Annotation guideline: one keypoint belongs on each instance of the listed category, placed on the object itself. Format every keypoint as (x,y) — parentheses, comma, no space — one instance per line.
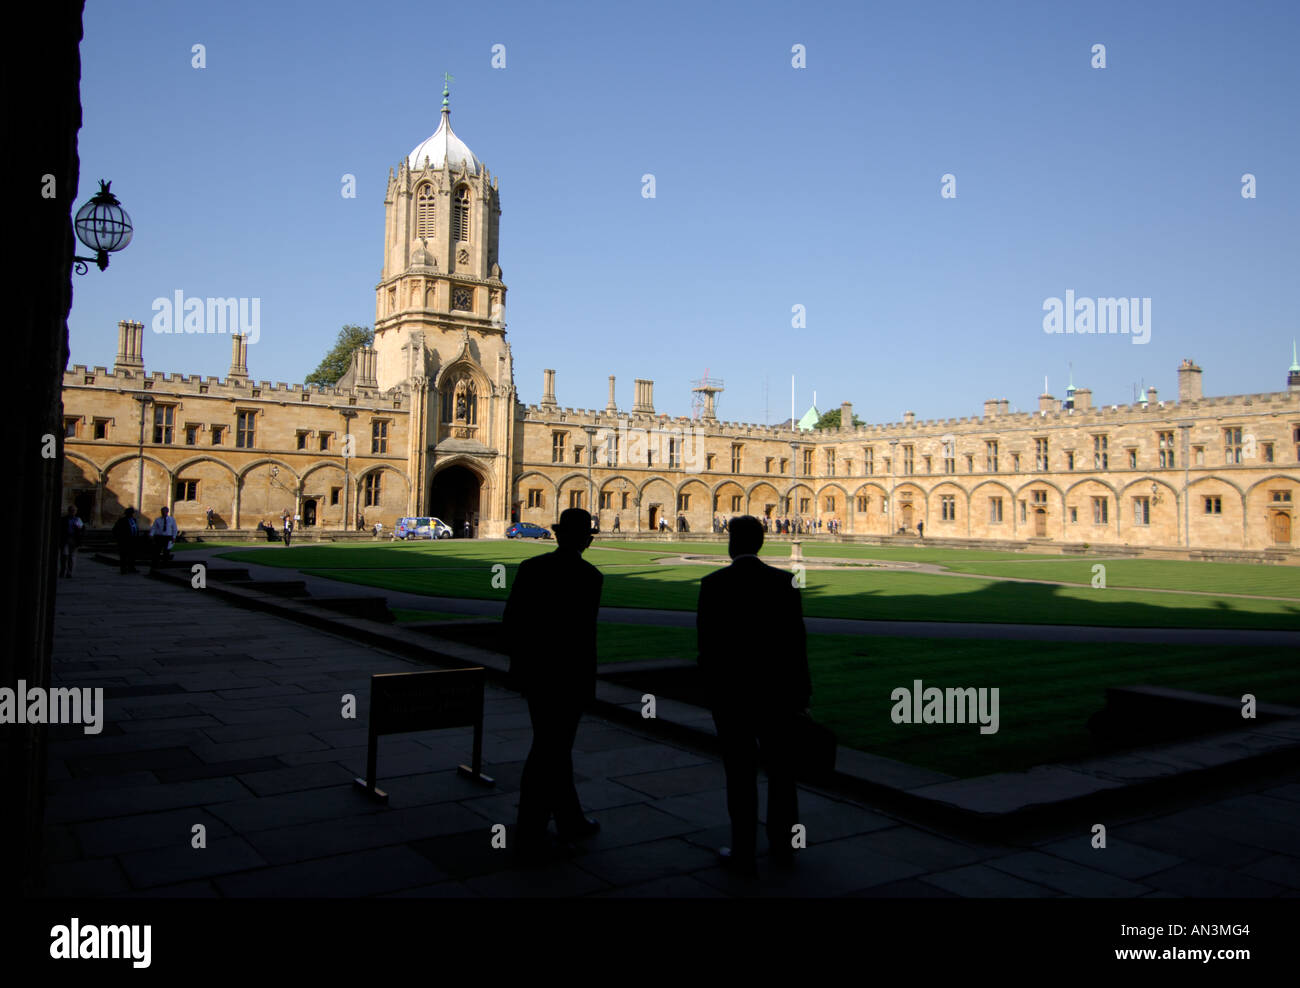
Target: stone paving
(231,718)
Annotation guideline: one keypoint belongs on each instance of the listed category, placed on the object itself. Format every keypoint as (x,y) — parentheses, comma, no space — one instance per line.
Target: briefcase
(814,747)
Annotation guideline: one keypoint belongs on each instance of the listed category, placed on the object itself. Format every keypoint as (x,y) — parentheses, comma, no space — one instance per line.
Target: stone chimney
(909,418)
(1046,403)
(1082,399)
(130,341)
(846,415)
(1004,406)
(1189,381)
(611,407)
(990,408)
(1151,396)
(645,398)
(366,358)
(548,388)
(238,357)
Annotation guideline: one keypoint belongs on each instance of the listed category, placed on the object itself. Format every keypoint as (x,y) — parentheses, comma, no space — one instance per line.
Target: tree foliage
(831,420)
(336,362)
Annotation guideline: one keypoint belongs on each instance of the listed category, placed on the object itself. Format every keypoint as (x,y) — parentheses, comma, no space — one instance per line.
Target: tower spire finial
(447,80)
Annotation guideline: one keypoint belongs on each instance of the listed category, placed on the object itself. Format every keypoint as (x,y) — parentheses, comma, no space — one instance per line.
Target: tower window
(424,211)
(460,215)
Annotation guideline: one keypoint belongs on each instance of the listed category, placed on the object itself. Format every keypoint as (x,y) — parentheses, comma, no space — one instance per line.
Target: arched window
(460,215)
(424,202)
(460,401)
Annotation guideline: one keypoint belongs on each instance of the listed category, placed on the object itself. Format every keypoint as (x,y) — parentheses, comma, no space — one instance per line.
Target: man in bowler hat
(754,662)
(550,625)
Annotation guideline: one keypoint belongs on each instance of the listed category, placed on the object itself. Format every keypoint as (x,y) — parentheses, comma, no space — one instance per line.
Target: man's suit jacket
(550,624)
(753,651)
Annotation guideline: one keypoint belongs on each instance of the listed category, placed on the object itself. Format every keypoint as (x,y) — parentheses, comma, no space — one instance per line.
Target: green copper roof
(810,418)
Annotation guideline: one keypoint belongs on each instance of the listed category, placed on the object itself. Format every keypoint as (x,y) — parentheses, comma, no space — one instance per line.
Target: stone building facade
(428,422)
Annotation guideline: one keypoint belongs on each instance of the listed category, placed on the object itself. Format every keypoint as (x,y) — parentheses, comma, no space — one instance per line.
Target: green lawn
(633,579)
(1047,691)
(1165,574)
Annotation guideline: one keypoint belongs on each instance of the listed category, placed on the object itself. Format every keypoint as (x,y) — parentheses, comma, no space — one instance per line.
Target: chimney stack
(909,418)
(645,398)
(238,357)
(990,408)
(548,388)
(1189,381)
(130,342)
(1151,396)
(612,408)
(846,415)
(1082,399)
(366,362)
(1046,403)
(1004,406)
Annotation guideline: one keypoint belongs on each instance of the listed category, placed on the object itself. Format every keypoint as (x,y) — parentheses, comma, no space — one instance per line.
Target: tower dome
(444,149)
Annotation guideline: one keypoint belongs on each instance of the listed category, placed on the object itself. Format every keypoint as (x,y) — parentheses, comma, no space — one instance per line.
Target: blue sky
(775,187)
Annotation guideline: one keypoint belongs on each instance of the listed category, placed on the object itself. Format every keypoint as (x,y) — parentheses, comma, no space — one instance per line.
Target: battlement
(81,376)
(1112,415)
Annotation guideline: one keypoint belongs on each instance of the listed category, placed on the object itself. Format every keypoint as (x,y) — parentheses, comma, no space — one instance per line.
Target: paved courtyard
(231,719)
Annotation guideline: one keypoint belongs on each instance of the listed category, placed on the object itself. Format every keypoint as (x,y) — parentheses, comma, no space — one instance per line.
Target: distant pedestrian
(920,529)
(288,529)
(70,530)
(212,516)
(467,528)
(616,524)
(161,533)
(125,533)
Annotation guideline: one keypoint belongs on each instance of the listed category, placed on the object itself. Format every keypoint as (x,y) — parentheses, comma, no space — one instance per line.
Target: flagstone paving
(232,719)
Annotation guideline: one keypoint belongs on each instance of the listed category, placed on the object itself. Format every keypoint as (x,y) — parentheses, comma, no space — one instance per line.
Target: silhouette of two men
(752,657)
(550,624)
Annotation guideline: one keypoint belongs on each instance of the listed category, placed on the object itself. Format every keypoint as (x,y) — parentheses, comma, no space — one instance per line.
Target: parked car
(527,530)
(421,528)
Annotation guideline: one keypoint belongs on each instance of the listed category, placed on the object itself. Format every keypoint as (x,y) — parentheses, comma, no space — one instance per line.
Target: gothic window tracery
(460,401)
(424,211)
(460,215)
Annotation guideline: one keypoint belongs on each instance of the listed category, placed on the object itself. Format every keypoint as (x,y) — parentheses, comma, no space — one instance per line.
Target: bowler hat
(573,520)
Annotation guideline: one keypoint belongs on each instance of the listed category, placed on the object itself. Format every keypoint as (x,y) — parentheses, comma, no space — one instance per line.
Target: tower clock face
(462,299)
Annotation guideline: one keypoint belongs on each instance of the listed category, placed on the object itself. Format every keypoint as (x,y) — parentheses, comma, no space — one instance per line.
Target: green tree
(831,420)
(336,362)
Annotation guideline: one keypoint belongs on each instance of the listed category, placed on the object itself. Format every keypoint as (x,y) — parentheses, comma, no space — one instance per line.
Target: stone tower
(440,331)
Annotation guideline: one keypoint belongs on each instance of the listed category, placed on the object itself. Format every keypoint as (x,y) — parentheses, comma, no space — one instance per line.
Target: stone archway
(456,498)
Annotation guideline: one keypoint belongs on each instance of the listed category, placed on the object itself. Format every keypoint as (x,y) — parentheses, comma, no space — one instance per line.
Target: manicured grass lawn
(1165,574)
(1047,691)
(884,595)
(632,579)
(779,548)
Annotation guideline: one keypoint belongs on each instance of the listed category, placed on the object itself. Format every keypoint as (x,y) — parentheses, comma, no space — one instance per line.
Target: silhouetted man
(125,533)
(550,624)
(754,661)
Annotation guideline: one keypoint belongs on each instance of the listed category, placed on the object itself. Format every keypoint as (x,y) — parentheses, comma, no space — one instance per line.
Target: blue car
(527,530)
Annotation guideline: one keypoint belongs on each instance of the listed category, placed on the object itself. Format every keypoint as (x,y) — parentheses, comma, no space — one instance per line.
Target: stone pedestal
(796,550)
